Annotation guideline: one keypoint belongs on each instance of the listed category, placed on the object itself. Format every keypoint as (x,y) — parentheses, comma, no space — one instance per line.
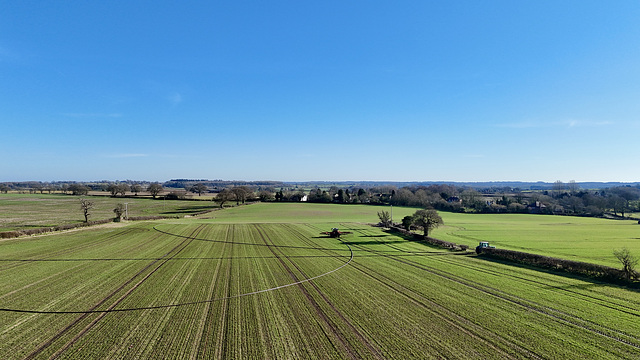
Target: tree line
(560,199)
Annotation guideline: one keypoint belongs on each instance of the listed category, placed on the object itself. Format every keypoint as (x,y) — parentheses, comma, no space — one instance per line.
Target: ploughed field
(234,286)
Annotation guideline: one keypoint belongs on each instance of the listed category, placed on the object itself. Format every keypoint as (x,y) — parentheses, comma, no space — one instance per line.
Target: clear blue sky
(320,90)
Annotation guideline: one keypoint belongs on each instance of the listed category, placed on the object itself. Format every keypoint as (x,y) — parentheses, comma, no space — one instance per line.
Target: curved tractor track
(373,349)
(166,258)
(344,334)
(466,326)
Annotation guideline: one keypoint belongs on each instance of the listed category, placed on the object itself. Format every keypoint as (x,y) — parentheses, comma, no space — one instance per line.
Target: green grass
(582,239)
(194,288)
(20,211)
(306,213)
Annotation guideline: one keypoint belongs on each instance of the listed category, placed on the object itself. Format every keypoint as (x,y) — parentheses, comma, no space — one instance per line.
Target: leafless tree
(470,197)
(427,219)
(123,188)
(155,189)
(265,195)
(78,189)
(86,206)
(113,189)
(241,193)
(136,188)
(224,196)
(199,188)
(628,261)
(573,187)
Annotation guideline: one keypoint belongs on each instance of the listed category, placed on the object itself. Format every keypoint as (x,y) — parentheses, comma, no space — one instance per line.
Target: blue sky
(331,90)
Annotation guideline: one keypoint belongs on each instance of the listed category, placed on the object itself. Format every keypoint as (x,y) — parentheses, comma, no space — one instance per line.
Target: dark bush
(9,234)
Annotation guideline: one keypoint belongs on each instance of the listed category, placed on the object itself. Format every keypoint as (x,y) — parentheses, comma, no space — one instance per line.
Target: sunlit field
(21,211)
(260,281)
(582,239)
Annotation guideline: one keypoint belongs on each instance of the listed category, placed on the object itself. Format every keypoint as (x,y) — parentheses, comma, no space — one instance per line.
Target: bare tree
(427,219)
(224,196)
(154,189)
(573,187)
(618,204)
(249,194)
(241,193)
(136,188)
(113,189)
(558,188)
(79,189)
(199,188)
(86,206)
(123,188)
(265,195)
(470,197)
(628,261)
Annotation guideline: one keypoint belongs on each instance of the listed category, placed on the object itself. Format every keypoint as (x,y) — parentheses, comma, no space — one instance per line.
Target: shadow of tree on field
(413,240)
(189,210)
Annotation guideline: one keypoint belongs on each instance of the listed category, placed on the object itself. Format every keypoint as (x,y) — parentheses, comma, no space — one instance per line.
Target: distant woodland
(616,200)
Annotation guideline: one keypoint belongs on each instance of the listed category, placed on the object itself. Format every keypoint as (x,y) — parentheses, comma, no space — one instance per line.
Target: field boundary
(428,239)
(589,270)
(44,230)
(594,271)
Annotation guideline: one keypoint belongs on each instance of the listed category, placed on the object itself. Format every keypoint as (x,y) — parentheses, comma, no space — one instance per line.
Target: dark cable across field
(159,258)
(201,301)
(245,243)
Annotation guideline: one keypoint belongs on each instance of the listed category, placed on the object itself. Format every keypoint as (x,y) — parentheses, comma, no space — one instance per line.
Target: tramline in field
(229,287)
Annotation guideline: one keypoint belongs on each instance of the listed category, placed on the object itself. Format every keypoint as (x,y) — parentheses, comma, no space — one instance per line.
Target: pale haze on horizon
(300,91)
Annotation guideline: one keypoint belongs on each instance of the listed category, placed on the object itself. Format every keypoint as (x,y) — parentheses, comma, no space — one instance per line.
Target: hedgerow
(18,233)
(601,272)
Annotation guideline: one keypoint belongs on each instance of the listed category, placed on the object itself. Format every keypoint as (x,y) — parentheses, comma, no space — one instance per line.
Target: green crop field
(20,211)
(261,282)
(582,239)
(307,213)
